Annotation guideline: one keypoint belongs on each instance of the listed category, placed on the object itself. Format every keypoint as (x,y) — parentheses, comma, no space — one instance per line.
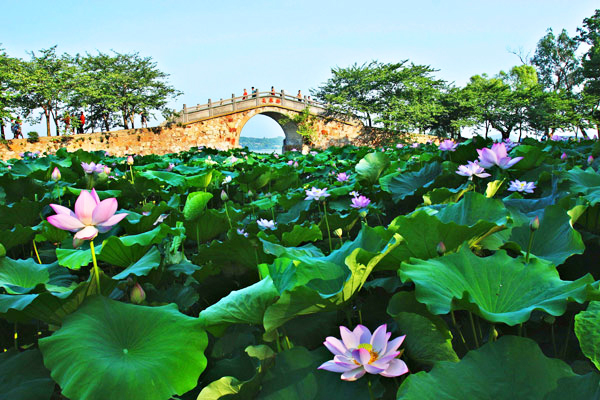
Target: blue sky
(214,49)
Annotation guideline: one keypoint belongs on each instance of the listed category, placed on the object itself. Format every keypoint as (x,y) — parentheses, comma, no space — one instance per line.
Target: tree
(10,68)
(556,61)
(46,83)
(116,87)
(590,34)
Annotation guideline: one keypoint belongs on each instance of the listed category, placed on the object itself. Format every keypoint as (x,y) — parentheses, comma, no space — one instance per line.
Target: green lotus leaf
(578,387)
(102,194)
(16,236)
(2,250)
(22,276)
(511,368)
(371,166)
(50,233)
(195,204)
(24,212)
(585,182)
(128,352)
(533,156)
(587,329)
(295,376)
(301,234)
(74,258)
(555,240)
(428,338)
(402,185)
(24,377)
(200,180)
(499,288)
(474,208)
(164,177)
(142,267)
(244,306)
(237,252)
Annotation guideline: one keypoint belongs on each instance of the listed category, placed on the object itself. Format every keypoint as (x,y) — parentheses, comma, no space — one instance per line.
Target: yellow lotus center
(369,348)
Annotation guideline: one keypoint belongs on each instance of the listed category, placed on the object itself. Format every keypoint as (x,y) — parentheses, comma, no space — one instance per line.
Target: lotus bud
(563,156)
(338,232)
(534,225)
(137,294)
(55,174)
(441,248)
(130,160)
(590,160)
(224,196)
(250,194)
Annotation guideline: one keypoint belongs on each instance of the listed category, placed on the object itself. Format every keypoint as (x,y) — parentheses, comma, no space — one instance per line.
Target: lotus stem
(327,224)
(370,390)
(529,246)
(228,219)
(564,352)
(131,171)
(553,340)
(36,252)
(462,338)
(473,329)
(96,269)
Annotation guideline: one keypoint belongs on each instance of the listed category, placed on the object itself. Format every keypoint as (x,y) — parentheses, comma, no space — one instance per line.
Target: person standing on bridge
(299,96)
(245,94)
(272,90)
(253,92)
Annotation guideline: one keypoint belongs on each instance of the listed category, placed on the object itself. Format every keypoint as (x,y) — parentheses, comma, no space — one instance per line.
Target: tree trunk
(47,115)
(369,119)
(125,125)
(2,130)
(106,126)
(487,129)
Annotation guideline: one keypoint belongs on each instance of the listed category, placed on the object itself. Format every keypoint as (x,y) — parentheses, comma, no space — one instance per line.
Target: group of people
(66,118)
(254,93)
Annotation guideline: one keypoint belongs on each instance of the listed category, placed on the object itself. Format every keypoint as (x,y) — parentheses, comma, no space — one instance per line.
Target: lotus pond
(412,272)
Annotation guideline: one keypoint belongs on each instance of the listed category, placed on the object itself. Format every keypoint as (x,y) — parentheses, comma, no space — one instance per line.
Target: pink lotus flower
(92,168)
(590,160)
(316,194)
(360,202)
(130,160)
(399,145)
(415,145)
(360,352)
(448,145)
(518,186)
(563,156)
(170,167)
(342,177)
(472,168)
(91,216)
(496,156)
(55,174)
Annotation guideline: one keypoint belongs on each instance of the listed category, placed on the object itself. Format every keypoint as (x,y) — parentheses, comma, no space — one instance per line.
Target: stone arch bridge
(220,123)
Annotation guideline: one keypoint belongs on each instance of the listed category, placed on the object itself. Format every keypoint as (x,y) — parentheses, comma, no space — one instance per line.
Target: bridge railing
(239,103)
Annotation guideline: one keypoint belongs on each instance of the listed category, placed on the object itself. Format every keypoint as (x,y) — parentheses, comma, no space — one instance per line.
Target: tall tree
(10,69)
(590,34)
(557,62)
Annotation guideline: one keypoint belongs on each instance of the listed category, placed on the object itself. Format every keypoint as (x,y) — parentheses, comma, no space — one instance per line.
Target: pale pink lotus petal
(363,356)
(62,210)
(394,344)
(362,333)
(500,150)
(345,361)
(510,162)
(396,367)
(112,221)
(382,362)
(372,369)
(84,207)
(353,374)
(349,339)
(65,222)
(104,210)
(95,196)
(335,346)
(87,233)
(487,158)
(333,367)
(379,339)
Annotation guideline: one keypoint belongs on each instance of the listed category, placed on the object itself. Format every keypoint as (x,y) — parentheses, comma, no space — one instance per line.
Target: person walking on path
(144,119)
(16,129)
(82,121)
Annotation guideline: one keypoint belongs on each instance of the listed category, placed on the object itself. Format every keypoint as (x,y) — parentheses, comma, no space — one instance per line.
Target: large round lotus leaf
(24,377)
(586,182)
(587,329)
(511,368)
(371,166)
(113,350)
(402,185)
(499,288)
(21,276)
(195,203)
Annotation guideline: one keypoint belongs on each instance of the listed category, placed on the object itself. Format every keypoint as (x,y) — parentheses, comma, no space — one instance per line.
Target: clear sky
(212,49)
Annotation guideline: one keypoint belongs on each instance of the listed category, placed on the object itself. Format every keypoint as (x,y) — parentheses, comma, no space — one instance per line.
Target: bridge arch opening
(263,133)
